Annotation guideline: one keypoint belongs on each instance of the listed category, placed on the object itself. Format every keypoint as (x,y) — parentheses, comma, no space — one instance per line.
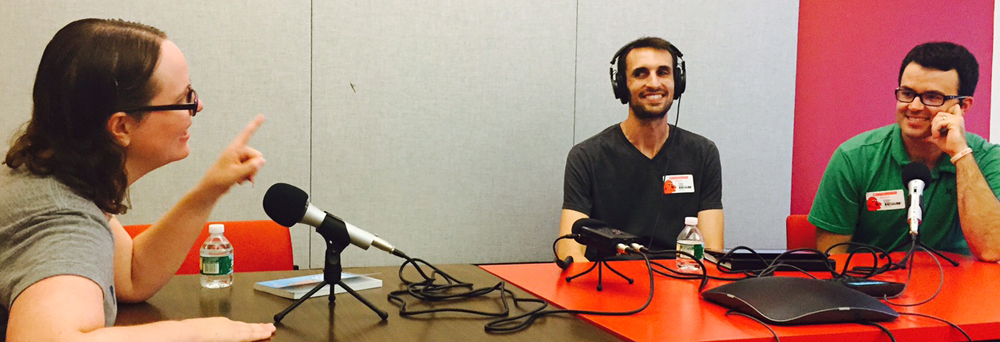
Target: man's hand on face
(948,130)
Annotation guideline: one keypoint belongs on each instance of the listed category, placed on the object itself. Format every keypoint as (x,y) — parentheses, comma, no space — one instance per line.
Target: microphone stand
(915,176)
(916,239)
(600,263)
(336,241)
(913,218)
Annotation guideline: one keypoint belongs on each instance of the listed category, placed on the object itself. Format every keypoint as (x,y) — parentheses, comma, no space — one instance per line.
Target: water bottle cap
(691,221)
(216,228)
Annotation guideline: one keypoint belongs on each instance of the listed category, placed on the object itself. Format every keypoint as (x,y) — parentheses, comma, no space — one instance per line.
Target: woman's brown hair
(91,69)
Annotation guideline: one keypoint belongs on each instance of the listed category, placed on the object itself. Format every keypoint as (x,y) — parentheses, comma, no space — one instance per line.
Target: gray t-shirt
(46,229)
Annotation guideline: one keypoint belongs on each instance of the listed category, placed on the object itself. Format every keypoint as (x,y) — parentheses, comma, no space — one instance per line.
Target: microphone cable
(770,266)
(678,274)
(687,276)
(953,325)
(514,324)
(909,276)
(677,117)
(563,263)
(881,327)
(684,275)
(909,259)
(860,271)
(773,333)
(429,289)
(864,271)
(451,290)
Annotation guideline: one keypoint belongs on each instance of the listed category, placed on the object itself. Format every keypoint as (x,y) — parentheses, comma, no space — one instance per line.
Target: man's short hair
(946,56)
(647,42)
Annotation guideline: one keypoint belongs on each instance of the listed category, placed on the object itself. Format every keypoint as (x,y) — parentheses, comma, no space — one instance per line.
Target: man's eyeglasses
(935,99)
(191,106)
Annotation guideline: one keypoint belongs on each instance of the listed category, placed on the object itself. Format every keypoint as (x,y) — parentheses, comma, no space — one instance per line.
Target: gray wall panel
(741,77)
(443,126)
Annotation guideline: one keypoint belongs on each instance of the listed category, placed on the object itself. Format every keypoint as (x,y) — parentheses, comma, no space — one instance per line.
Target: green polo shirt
(871,164)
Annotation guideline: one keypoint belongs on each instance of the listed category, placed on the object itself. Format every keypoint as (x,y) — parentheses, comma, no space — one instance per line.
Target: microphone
(288,205)
(915,176)
(598,235)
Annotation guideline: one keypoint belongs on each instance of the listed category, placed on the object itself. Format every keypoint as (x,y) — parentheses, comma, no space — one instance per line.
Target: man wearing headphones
(862,197)
(644,176)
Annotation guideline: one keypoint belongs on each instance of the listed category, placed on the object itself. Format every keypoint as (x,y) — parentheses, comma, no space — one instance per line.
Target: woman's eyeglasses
(191,106)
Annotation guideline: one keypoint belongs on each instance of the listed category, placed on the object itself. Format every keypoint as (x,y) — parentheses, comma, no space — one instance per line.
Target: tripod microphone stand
(600,262)
(336,241)
(916,240)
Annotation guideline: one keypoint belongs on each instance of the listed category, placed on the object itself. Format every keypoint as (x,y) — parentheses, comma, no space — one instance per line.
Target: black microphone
(915,176)
(288,205)
(598,235)
(585,233)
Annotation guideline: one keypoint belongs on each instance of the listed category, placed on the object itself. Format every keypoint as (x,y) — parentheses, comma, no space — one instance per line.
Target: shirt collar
(898,151)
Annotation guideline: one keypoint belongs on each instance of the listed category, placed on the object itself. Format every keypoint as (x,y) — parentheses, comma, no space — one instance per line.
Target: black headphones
(618,79)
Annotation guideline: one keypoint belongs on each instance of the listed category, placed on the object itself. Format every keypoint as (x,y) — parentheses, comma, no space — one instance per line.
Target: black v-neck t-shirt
(610,180)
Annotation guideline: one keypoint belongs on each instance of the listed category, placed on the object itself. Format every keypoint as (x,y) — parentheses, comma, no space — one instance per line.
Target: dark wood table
(347,319)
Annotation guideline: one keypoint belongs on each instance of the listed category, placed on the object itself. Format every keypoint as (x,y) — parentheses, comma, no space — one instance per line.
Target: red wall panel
(849,53)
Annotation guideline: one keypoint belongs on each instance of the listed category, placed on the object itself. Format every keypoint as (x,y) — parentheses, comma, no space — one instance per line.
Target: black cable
(777,263)
(687,276)
(452,289)
(771,266)
(677,117)
(953,325)
(757,320)
(940,282)
(729,255)
(884,329)
(909,276)
(774,268)
(704,271)
(666,164)
(871,271)
(567,236)
(510,324)
(864,271)
(556,253)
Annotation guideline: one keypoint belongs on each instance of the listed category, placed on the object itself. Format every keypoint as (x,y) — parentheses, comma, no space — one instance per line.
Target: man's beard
(643,114)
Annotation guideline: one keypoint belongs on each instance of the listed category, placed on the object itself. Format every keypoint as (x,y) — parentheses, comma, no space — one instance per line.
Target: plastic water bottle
(690,241)
(216,259)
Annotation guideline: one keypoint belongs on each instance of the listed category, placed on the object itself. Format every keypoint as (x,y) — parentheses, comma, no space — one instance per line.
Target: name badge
(885,200)
(678,184)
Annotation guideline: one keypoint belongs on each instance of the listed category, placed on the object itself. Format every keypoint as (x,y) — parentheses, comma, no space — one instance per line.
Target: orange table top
(970,298)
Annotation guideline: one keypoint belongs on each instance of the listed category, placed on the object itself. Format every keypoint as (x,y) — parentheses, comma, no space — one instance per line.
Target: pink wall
(849,54)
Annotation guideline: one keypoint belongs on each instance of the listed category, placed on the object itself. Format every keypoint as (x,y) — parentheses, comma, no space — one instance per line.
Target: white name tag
(885,200)
(678,184)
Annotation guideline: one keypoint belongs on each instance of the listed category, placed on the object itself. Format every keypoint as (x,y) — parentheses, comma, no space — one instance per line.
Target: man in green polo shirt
(862,197)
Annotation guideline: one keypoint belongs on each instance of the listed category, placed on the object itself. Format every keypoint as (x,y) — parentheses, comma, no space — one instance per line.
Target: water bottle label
(699,252)
(217,265)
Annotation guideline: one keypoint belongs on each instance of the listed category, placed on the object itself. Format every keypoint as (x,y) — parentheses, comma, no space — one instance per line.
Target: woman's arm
(71,308)
(157,253)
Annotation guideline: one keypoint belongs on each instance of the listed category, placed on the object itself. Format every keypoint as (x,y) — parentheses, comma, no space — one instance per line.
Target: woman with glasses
(112,102)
